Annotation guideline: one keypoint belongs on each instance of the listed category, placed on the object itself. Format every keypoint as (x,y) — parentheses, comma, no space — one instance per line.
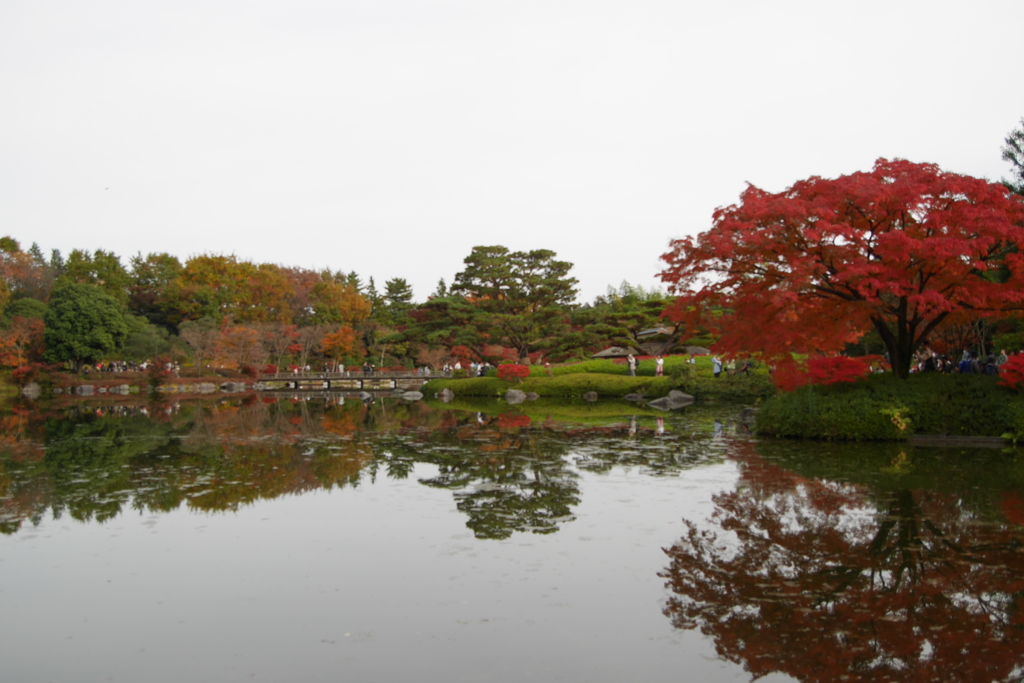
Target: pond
(328,539)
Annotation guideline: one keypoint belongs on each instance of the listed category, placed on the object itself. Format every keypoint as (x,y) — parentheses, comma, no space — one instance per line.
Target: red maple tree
(901,249)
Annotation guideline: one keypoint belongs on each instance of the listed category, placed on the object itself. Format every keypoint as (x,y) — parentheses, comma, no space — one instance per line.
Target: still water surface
(329,540)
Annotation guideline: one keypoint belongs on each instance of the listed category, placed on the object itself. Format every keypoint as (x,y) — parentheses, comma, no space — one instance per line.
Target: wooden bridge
(345,381)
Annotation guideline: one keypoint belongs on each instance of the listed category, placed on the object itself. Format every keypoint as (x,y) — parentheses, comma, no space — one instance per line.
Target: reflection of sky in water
(360,544)
(378,582)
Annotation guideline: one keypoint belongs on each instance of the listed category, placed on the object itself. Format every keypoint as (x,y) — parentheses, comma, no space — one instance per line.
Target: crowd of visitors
(125,366)
(928,360)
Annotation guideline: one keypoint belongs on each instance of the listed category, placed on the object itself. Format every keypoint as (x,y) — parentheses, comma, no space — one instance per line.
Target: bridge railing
(353,374)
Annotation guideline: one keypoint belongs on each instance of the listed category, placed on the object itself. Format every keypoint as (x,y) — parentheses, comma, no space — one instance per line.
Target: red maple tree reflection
(814,579)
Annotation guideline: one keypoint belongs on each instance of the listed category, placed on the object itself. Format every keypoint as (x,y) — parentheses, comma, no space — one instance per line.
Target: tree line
(898,259)
(221,311)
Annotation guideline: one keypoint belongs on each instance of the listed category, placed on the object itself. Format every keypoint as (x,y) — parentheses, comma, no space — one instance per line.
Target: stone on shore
(515,396)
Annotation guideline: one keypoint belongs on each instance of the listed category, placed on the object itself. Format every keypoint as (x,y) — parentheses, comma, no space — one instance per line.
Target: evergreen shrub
(875,408)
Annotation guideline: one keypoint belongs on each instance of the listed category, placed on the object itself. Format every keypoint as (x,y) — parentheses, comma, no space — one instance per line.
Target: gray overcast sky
(389,137)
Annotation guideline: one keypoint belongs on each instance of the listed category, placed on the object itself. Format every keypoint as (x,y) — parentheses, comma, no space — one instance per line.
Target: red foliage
(789,376)
(158,371)
(270,369)
(25,374)
(1011,373)
(249,371)
(903,248)
(836,369)
(513,421)
(1012,506)
(821,370)
(512,371)
(462,353)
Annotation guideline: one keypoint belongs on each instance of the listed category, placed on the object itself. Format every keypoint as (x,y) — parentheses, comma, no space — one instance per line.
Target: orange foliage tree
(21,342)
(340,343)
(239,346)
(901,249)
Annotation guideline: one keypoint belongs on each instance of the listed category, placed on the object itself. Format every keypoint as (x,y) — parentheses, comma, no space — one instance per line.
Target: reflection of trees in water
(810,578)
(507,472)
(504,477)
(210,457)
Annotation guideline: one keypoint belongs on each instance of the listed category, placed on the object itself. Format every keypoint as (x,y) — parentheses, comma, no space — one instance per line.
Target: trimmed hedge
(877,407)
(565,386)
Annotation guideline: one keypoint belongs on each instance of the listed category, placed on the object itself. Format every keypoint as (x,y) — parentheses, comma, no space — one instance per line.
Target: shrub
(875,408)
(512,371)
(1011,373)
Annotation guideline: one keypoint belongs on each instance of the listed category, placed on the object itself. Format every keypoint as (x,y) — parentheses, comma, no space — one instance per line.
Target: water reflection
(817,561)
(839,567)
(508,471)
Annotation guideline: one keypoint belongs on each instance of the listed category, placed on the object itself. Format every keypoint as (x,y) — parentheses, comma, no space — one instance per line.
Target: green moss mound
(884,408)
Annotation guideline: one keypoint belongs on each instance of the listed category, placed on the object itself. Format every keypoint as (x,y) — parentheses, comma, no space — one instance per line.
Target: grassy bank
(566,382)
(885,408)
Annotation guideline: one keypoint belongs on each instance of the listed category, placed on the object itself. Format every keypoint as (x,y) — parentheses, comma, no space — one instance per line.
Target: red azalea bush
(1011,373)
(512,371)
(270,369)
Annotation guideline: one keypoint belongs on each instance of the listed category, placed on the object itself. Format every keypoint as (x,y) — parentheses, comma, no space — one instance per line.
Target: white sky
(391,136)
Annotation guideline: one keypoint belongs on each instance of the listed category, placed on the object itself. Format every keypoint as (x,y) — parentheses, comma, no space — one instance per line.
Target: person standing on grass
(716,365)
(659,366)
(631,362)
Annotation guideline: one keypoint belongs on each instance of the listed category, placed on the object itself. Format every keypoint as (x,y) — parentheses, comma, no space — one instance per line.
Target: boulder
(590,396)
(747,415)
(101,390)
(515,396)
(207,388)
(673,401)
(446,395)
(412,396)
(663,403)
(532,396)
(633,397)
(84,390)
(32,390)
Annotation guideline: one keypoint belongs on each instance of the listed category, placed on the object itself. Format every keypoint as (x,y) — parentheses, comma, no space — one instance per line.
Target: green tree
(83,324)
(525,295)
(101,268)
(145,340)
(447,322)
(150,278)
(1013,151)
(25,308)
